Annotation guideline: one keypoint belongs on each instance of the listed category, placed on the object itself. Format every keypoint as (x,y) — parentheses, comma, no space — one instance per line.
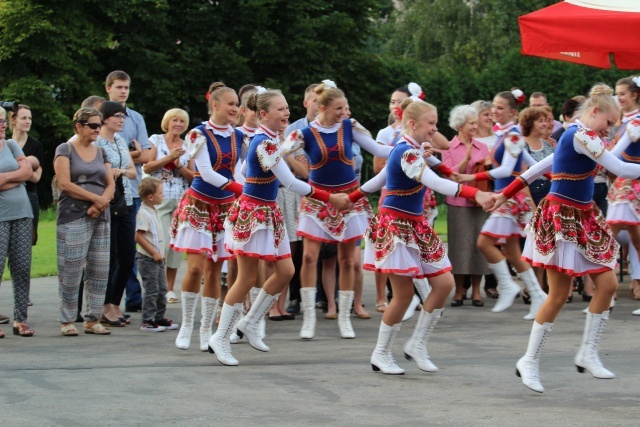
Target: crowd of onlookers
(104,207)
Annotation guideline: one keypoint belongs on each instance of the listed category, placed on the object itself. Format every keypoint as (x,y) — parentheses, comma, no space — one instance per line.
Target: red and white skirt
(510,219)
(624,205)
(256,228)
(198,226)
(405,245)
(571,240)
(430,206)
(322,222)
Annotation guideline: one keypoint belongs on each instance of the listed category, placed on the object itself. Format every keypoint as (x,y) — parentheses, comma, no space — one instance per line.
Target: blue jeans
(134,290)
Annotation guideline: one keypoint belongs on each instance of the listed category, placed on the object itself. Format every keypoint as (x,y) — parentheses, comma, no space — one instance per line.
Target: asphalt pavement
(133,378)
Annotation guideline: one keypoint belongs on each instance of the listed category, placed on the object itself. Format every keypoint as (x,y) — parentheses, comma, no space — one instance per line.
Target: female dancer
(327,142)
(568,234)
(255,227)
(507,224)
(198,225)
(624,203)
(401,242)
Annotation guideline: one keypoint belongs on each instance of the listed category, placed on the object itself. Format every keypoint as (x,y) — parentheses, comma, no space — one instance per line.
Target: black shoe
(294,307)
(322,306)
(456,302)
(477,303)
(586,298)
(133,308)
(114,323)
(526,298)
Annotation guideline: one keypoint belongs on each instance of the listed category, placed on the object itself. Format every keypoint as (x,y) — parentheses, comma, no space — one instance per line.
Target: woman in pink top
(465,218)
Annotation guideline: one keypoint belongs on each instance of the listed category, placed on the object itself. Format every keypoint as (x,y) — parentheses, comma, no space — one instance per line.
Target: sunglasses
(93,126)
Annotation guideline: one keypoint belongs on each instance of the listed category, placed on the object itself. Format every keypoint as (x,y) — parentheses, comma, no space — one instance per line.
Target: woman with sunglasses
(123,245)
(87,185)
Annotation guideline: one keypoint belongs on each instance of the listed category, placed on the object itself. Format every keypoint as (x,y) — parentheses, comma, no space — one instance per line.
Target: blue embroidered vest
(258,183)
(403,193)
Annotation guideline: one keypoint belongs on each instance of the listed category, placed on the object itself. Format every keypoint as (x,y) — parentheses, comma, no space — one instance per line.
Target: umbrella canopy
(585,32)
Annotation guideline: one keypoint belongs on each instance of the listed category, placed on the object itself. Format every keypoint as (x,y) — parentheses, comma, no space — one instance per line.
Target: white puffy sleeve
(363,138)
(293,142)
(513,145)
(268,152)
(203,163)
(588,143)
(195,140)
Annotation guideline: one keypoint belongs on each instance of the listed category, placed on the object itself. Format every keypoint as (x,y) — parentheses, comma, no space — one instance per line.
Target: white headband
(260,90)
(330,83)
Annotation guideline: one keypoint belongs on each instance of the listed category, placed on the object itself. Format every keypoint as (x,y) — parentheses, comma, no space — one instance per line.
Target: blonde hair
(326,94)
(216,89)
(173,113)
(261,102)
(148,186)
(413,110)
(601,96)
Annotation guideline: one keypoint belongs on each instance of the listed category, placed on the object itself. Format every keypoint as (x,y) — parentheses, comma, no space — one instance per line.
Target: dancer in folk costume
(255,228)
(624,195)
(198,225)
(327,142)
(568,234)
(507,223)
(401,242)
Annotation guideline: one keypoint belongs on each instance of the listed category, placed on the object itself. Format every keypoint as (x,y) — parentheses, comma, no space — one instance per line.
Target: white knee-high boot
(253,294)
(382,358)
(416,347)
(189,303)
(345,301)
(249,325)
(423,288)
(535,292)
(587,357)
(308,306)
(219,342)
(507,288)
(528,367)
(208,309)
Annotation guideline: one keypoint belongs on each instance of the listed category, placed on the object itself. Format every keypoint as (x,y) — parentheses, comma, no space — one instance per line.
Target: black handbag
(118,204)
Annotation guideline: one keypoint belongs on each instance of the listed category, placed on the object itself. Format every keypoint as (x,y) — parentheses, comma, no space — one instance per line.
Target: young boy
(151,259)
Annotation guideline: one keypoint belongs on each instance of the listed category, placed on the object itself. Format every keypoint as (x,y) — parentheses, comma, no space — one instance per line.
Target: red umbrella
(585,32)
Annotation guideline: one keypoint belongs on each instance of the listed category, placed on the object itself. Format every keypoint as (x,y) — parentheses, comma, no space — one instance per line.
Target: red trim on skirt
(566,271)
(318,239)
(372,267)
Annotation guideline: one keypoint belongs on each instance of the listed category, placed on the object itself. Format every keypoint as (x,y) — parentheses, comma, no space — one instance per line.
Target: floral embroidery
(555,222)
(518,208)
(332,221)
(625,191)
(246,217)
(590,140)
(268,154)
(386,231)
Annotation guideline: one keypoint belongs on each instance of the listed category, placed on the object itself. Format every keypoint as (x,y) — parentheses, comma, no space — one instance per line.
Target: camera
(132,146)
(10,105)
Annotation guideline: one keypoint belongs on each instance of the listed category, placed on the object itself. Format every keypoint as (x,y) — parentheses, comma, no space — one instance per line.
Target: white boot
(308,306)
(208,309)
(262,332)
(636,312)
(189,303)
(587,357)
(528,367)
(345,301)
(423,288)
(507,288)
(250,324)
(219,342)
(411,310)
(382,359)
(536,293)
(416,347)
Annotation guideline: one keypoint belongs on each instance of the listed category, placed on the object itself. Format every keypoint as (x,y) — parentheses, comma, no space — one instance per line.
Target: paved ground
(141,379)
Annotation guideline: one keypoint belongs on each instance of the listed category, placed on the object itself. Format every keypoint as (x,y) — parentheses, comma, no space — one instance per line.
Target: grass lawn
(45,263)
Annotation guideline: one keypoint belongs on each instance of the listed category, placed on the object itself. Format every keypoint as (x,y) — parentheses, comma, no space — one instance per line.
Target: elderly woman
(174,167)
(485,132)
(87,186)
(123,245)
(15,224)
(465,218)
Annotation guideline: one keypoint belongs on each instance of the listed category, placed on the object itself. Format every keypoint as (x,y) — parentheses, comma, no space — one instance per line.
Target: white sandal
(172,298)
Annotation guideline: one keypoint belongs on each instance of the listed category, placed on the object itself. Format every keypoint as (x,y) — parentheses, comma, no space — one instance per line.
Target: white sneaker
(151,327)
(636,312)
